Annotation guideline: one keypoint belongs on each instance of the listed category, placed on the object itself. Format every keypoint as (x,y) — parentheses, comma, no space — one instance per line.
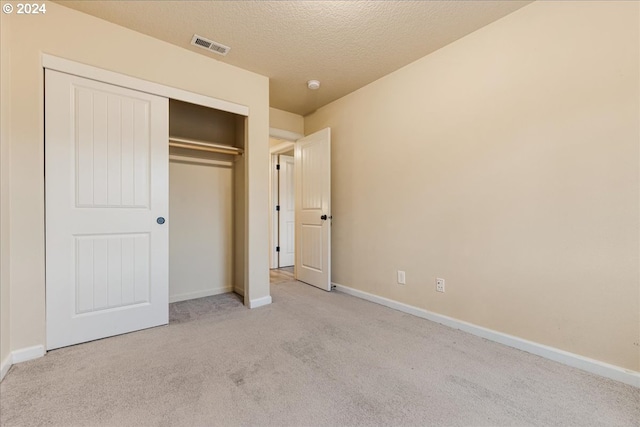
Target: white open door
(313,209)
(286,215)
(106,164)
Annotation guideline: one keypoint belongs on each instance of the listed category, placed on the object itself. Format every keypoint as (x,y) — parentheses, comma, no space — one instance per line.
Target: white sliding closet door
(106,159)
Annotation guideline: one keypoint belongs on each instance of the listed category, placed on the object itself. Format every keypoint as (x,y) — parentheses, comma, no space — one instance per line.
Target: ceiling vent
(210,45)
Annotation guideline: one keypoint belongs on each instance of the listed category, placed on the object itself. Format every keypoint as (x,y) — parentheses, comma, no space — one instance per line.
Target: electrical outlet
(402,280)
(440,285)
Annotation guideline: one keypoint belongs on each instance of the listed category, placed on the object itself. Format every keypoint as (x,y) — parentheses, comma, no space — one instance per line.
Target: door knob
(160,220)
(324,217)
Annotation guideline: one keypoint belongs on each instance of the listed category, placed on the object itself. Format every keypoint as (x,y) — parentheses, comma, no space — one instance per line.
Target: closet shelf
(193,144)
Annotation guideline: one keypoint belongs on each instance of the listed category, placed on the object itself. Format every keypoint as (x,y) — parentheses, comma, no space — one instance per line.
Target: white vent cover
(210,45)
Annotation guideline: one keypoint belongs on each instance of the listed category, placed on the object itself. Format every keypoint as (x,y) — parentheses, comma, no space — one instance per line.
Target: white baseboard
(571,359)
(4,367)
(199,294)
(28,353)
(239,291)
(259,302)
(21,355)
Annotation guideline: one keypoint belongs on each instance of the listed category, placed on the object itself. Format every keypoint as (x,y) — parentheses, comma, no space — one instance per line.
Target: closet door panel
(106,154)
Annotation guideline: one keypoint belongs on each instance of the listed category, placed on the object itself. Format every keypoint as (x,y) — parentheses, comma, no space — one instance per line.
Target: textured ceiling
(344,44)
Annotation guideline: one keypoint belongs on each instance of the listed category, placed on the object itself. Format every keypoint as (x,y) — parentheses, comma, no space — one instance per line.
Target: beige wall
(283,120)
(508,164)
(201,123)
(239,205)
(201,232)
(5,132)
(69,34)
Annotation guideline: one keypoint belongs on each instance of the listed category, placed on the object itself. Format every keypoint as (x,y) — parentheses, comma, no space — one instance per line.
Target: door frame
(111,77)
(288,143)
(89,72)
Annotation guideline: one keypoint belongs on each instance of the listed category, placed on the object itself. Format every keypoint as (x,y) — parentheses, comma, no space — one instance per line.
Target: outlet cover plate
(402,279)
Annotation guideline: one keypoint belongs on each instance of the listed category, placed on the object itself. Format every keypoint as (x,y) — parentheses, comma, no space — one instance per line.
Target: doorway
(282,204)
(204,195)
(311,226)
(285,210)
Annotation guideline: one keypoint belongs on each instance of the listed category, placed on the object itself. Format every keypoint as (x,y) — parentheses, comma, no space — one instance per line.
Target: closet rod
(193,144)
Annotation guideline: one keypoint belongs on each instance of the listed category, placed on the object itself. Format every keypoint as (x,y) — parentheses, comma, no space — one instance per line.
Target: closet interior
(206,201)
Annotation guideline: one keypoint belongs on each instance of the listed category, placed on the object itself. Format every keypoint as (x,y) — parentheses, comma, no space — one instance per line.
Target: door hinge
(278,207)
(278,167)
(277,248)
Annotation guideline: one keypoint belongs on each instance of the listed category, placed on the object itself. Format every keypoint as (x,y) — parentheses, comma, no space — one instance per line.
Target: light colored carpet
(280,275)
(311,358)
